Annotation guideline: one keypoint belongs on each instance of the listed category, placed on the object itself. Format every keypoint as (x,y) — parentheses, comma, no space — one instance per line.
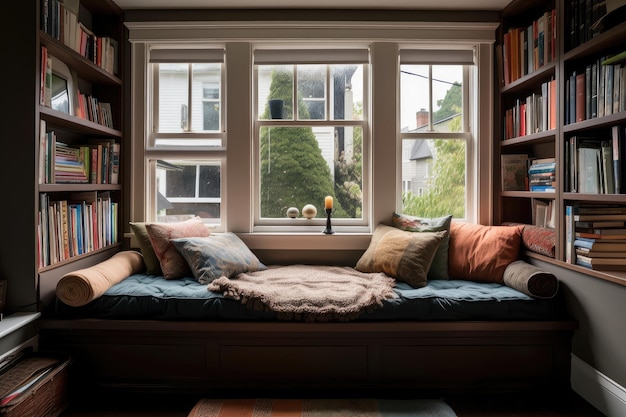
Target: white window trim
(384,39)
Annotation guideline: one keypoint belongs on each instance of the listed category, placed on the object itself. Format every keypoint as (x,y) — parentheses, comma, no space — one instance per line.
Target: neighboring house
(418,155)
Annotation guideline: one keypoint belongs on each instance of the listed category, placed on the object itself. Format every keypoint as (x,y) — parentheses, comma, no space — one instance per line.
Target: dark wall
(600,308)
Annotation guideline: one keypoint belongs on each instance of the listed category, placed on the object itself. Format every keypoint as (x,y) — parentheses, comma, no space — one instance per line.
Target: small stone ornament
(309,211)
(293,212)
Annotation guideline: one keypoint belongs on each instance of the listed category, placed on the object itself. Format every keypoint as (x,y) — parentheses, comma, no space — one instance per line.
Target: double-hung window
(310,133)
(435,131)
(184,154)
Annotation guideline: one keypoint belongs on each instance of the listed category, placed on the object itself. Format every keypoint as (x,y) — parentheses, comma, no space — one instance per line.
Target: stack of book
(542,175)
(596,236)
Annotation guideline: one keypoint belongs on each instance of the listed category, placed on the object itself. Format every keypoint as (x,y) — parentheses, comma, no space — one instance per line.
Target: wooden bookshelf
(91,76)
(569,56)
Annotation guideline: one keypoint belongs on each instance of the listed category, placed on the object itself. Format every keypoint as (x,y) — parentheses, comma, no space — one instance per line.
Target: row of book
(596,236)
(519,172)
(83,223)
(68,99)
(581,19)
(91,109)
(525,49)
(94,162)
(59,19)
(594,164)
(537,113)
(598,91)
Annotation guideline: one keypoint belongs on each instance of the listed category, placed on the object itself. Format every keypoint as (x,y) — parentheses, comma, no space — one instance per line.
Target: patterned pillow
(405,256)
(172,263)
(439,267)
(153,267)
(218,255)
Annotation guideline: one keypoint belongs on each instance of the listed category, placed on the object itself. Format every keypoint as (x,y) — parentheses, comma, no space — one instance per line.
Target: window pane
(447,97)
(188,188)
(176,113)
(447,103)
(302,165)
(275,84)
(312,91)
(173,97)
(346,92)
(206,97)
(433,177)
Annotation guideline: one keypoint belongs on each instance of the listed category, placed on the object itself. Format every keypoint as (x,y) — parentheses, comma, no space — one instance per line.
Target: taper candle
(328,203)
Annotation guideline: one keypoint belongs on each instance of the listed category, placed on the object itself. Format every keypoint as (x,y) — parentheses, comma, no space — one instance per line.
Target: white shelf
(12,322)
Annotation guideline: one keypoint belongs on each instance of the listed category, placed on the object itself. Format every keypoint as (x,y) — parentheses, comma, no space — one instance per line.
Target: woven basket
(48,397)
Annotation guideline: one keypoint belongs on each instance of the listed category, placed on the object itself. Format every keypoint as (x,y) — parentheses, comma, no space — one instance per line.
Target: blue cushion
(220,254)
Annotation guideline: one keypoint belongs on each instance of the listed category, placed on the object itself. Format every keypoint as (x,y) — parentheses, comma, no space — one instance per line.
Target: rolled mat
(531,280)
(85,285)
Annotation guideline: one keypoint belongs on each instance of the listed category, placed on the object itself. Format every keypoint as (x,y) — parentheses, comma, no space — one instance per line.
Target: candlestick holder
(329,228)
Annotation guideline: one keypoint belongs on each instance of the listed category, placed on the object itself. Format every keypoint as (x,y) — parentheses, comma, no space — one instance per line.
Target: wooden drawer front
(438,364)
(294,362)
(148,361)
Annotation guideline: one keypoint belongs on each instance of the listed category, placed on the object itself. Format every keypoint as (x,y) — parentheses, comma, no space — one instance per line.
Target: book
(589,167)
(598,254)
(600,236)
(608,245)
(514,172)
(602,264)
(601,224)
(593,217)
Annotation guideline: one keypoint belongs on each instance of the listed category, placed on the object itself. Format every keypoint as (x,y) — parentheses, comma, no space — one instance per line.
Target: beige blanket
(80,287)
(308,293)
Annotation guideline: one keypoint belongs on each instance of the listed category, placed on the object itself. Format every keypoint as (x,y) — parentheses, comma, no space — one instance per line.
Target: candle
(328,203)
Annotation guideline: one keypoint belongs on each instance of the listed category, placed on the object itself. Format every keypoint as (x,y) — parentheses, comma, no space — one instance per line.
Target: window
(310,134)
(233,120)
(434,131)
(187,114)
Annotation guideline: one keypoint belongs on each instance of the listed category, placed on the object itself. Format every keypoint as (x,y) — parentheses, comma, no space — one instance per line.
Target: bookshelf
(74,72)
(577,50)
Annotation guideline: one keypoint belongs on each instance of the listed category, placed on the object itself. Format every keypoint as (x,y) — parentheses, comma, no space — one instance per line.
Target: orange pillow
(482,253)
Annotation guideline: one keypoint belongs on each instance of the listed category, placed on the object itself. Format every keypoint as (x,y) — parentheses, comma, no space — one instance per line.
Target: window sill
(306,241)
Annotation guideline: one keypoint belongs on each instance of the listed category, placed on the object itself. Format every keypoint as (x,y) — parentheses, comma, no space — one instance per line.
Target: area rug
(321,408)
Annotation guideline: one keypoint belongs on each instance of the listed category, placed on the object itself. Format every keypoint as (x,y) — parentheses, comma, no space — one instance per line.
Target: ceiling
(316,4)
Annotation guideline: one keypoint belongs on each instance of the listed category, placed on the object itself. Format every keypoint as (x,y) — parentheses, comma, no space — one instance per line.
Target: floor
(501,405)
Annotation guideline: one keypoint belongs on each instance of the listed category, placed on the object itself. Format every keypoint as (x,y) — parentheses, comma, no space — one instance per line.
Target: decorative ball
(293,212)
(309,211)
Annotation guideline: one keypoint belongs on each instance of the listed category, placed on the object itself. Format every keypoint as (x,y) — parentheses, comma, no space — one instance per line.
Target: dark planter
(276,108)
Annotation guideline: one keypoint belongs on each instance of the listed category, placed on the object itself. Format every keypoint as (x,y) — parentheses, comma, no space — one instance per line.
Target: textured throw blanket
(308,293)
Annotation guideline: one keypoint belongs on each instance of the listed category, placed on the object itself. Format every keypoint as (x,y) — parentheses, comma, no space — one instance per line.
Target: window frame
(384,39)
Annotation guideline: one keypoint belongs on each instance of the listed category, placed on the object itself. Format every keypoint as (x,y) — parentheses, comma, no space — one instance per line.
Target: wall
(600,308)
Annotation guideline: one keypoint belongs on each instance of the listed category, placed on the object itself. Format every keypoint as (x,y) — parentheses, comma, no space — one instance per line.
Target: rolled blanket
(85,285)
(530,280)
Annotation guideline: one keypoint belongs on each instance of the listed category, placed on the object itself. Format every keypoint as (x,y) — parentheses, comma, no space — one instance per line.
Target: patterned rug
(321,408)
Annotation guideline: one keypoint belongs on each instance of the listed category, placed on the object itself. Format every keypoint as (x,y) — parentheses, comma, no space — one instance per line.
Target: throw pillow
(153,267)
(172,263)
(482,253)
(439,267)
(531,280)
(218,255)
(405,256)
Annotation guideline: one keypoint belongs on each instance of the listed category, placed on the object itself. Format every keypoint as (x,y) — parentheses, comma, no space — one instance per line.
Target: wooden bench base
(200,356)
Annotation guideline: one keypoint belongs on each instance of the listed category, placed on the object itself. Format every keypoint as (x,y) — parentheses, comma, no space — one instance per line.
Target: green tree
(293,170)
(349,175)
(446,188)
